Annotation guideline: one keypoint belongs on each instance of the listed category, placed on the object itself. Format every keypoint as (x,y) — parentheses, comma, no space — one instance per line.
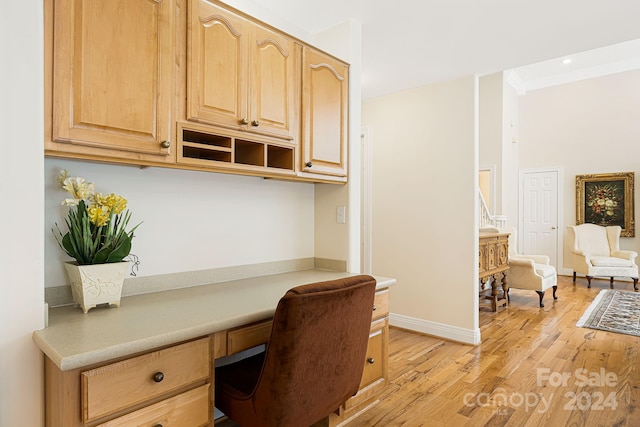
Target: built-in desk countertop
(144,322)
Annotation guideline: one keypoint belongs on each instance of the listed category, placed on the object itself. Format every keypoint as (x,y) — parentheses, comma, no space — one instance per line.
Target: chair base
(635,281)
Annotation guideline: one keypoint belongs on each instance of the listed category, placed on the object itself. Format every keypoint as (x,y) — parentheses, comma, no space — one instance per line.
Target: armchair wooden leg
(555,288)
(541,295)
(589,281)
(635,283)
(574,277)
(611,283)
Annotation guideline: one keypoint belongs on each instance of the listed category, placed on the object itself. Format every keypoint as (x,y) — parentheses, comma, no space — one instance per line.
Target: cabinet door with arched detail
(325,114)
(217,66)
(274,83)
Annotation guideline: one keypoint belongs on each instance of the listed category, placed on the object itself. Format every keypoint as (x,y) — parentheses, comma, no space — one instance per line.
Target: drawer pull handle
(374,307)
(255,123)
(371,360)
(158,377)
(157,425)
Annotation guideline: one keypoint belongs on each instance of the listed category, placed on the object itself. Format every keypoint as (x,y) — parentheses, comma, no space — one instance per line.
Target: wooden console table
(493,263)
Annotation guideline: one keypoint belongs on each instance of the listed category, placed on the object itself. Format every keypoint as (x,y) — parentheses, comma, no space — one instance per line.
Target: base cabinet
(375,375)
(173,386)
(169,387)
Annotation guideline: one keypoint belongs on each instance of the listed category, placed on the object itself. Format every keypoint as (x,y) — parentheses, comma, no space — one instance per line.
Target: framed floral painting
(606,199)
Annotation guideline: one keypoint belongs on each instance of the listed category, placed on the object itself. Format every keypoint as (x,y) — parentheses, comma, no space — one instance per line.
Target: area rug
(613,311)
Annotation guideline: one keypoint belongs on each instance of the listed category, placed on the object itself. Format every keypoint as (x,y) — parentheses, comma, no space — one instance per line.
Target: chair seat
(606,261)
(545,270)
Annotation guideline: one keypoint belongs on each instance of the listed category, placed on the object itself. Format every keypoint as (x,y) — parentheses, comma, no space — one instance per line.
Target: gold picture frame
(606,199)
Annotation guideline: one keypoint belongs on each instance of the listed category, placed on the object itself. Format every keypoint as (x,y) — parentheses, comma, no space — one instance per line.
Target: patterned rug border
(613,311)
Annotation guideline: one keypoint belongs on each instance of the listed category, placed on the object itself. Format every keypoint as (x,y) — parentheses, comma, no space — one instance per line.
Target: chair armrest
(538,259)
(521,262)
(630,255)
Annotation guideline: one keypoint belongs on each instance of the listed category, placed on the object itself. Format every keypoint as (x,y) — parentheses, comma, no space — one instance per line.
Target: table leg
(505,288)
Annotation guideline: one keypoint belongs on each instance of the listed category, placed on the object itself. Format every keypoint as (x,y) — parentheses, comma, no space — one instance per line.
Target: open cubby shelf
(206,147)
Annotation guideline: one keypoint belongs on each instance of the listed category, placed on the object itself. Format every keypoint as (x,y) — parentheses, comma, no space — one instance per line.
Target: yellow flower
(99,215)
(116,204)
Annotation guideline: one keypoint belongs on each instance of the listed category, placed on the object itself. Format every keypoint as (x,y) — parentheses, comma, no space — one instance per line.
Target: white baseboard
(453,333)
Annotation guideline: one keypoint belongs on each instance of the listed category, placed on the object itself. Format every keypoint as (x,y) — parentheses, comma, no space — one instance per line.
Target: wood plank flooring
(534,367)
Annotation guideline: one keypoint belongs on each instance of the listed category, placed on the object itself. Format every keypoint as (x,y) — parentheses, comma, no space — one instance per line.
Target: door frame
(492,186)
(559,170)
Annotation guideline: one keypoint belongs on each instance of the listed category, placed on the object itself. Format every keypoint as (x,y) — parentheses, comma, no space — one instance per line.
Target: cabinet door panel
(273,79)
(112,80)
(217,68)
(325,104)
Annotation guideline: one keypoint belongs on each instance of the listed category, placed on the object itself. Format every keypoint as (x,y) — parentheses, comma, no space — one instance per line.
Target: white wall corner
(450,332)
(516,82)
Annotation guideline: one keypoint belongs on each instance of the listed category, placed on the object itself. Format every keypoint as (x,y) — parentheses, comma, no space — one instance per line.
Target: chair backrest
(513,240)
(596,240)
(315,356)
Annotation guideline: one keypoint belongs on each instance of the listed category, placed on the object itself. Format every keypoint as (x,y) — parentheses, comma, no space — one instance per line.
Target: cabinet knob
(244,121)
(255,123)
(158,377)
(165,144)
(308,164)
(371,360)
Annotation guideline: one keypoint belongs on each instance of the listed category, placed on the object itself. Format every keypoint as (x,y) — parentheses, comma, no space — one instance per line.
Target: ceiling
(409,43)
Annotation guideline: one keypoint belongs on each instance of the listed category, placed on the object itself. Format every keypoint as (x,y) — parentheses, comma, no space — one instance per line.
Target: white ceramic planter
(92,285)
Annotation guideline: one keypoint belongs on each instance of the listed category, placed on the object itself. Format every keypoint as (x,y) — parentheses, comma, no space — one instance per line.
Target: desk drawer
(380,304)
(374,360)
(189,409)
(120,385)
(248,337)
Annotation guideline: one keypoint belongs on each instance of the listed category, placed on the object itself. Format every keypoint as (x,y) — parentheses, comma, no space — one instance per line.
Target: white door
(540,223)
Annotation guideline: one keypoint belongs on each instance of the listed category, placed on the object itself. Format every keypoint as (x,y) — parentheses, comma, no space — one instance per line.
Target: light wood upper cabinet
(240,74)
(112,78)
(325,94)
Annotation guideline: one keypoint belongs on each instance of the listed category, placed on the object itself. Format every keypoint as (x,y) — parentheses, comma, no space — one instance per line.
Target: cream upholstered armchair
(529,271)
(595,251)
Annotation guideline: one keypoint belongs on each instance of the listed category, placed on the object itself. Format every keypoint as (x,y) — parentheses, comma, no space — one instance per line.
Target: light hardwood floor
(534,367)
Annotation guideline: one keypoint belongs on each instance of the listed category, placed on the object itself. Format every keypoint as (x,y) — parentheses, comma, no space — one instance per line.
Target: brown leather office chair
(313,362)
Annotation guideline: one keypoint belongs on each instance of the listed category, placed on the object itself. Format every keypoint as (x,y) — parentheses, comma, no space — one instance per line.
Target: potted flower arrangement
(97,239)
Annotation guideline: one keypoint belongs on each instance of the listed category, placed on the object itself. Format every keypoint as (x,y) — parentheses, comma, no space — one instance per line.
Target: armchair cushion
(607,261)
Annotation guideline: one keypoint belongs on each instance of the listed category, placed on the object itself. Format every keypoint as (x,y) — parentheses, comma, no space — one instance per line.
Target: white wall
(21,189)
(425,168)
(590,126)
(191,220)
(490,131)
(510,153)
(498,129)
